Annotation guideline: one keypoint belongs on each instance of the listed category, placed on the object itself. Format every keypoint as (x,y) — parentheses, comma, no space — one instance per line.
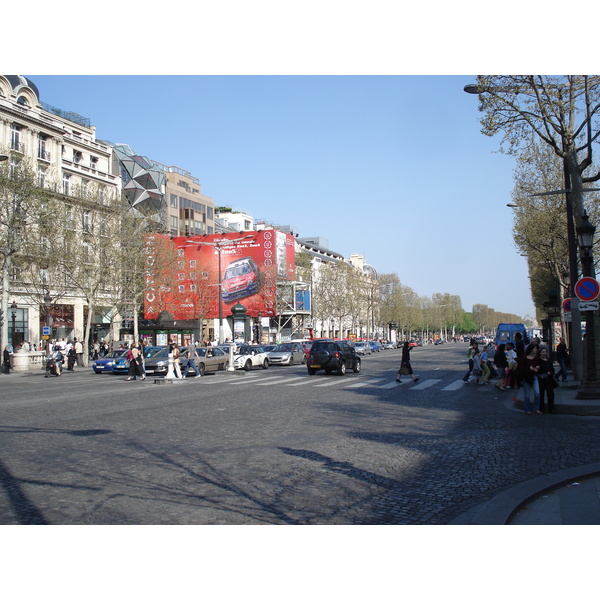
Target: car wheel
(291,360)
(342,369)
(248,365)
(311,371)
(202,369)
(224,366)
(356,367)
(265,364)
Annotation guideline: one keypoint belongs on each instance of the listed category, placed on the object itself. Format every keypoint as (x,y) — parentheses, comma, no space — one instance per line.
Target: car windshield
(237,270)
(148,352)
(114,354)
(246,350)
(283,348)
(161,352)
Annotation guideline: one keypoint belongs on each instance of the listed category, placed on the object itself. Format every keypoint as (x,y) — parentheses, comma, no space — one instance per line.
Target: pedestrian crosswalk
(348,382)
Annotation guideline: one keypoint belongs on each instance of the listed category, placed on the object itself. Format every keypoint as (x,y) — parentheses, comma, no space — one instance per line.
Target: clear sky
(346,123)
(391,167)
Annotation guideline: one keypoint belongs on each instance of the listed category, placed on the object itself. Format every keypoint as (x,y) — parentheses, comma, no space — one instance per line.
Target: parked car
(247,357)
(362,348)
(375,346)
(389,346)
(122,364)
(241,279)
(332,356)
(105,364)
(210,359)
(158,363)
(287,354)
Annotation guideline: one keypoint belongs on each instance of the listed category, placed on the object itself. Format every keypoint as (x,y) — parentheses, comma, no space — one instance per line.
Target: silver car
(362,348)
(287,354)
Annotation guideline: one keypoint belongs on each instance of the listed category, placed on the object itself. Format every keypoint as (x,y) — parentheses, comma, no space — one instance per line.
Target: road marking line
(363,383)
(271,380)
(427,383)
(341,380)
(244,380)
(454,386)
(389,386)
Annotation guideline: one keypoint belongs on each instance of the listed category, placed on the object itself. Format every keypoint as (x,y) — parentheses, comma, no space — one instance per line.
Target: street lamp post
(13,307)
(590,386)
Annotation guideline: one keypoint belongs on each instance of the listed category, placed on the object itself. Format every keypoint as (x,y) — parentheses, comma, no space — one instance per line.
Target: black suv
(332,356)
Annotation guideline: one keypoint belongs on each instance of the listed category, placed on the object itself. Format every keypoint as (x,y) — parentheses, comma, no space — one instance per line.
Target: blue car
(122,364)
(105,364)
(375,346)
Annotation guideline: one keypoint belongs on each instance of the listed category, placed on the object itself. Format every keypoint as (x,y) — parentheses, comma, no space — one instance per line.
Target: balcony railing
(43,155)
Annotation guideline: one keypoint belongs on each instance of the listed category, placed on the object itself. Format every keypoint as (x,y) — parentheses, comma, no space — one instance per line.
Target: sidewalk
(568,497)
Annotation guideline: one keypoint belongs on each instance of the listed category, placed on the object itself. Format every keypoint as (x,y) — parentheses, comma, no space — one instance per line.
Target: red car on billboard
(241,279)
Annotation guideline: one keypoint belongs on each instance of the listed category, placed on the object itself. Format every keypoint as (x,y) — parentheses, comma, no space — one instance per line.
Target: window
(15,138)
(85,188)
(42,177)
(93,163)
(173,200)
(42,152)
(86,221)
(66,184)
(77,156)
(22,101)
(192,264)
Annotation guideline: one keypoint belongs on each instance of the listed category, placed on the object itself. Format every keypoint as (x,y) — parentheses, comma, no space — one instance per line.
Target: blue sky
(391,167)
(347,121)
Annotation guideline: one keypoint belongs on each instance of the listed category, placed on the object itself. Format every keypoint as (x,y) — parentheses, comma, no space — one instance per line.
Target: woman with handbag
(405,366)
(135,363)
(546,380)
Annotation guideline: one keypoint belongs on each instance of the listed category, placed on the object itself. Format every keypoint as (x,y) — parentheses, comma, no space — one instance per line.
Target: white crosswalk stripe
(365,382)
(425,384)
(454,386)
(272,380)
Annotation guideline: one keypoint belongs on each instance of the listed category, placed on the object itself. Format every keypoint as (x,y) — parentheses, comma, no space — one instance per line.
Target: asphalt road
(273,446)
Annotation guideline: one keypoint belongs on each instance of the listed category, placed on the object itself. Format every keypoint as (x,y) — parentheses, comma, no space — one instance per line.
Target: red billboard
(183,273)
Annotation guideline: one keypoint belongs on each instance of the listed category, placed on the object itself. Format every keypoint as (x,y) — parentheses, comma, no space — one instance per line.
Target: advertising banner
(183,273)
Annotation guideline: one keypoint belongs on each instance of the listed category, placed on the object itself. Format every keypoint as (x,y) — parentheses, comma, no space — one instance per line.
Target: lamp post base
(589,390)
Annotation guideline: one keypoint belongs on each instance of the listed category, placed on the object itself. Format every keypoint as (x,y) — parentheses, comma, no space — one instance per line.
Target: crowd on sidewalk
(520,366)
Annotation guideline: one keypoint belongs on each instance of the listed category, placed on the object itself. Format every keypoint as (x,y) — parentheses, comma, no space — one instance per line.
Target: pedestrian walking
(527,374)
(71,357)
(174,350)
(192,355)
(546,381)
(501,366)
(485,369)
(472,347)
(79,352)
(562,356)
(511,358)
(134,356)
(6,360)
(476,372)
(405,366)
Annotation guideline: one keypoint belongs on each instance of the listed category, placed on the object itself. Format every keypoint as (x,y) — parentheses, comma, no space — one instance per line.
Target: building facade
(61,148)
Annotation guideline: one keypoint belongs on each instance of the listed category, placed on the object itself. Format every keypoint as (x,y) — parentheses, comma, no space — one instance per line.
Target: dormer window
(21,100)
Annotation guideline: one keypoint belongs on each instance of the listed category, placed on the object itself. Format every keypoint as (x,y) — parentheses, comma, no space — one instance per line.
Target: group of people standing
(518,365)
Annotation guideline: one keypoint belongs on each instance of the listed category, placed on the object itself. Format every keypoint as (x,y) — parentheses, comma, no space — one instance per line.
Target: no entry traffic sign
(587,289)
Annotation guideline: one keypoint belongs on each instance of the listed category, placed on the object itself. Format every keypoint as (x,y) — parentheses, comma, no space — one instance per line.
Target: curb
(502,507)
